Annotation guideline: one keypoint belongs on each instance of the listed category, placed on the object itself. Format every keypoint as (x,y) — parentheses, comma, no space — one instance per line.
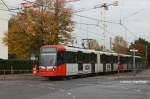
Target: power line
(133,14)
(129,30)
(91,32)
(90,18)
(5,4)
(89,24)
(86,23)
(83,9)
(8,10)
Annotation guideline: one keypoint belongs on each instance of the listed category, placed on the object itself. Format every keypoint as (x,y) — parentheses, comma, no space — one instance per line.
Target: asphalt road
(82,88)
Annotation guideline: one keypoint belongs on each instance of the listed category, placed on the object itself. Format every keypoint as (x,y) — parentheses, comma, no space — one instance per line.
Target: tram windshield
(48,59)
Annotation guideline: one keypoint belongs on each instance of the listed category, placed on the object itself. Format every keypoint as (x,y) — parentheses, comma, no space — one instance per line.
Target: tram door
(93,67)
(93,59)
(80,68)
(80,62)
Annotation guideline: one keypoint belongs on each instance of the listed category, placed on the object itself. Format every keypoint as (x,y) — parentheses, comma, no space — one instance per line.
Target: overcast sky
(134,15)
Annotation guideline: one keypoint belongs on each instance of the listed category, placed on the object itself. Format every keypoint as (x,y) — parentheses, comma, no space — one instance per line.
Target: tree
(48,22)
(93,44)
(140,45)
(120,45)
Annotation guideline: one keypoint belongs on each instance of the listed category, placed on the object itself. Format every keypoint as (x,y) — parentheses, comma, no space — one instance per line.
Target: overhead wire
(5,4)
(90,18)
(81,37)
(98,26)
(129,30)
(74,13)
(95,34)
(125,19)
(10,10)
(91,32)
(135,13)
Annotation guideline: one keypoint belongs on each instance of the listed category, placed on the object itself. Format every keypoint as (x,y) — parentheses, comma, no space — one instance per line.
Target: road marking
(135,82)
(138,90)
(69,93)
(86,84)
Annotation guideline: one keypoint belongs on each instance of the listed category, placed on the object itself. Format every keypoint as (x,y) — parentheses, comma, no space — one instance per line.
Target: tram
(62,61)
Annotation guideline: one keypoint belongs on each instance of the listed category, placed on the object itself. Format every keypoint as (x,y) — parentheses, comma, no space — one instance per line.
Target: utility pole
(134,67)
(110,43)
(105,7)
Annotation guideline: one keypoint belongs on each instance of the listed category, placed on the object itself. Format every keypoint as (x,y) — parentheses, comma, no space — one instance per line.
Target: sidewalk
(143,75)
(145,72)
(19,77)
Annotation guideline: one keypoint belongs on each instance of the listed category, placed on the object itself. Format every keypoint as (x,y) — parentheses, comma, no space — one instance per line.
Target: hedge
(16,66)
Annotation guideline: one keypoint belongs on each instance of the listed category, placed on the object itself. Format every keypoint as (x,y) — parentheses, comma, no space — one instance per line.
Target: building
(4,17)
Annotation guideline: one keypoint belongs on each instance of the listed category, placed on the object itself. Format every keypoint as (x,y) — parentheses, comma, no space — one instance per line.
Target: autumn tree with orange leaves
(47,22)
(140,45)
(120,45)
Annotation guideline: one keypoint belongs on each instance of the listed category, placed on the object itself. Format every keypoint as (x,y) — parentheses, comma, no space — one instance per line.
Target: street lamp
(134,51)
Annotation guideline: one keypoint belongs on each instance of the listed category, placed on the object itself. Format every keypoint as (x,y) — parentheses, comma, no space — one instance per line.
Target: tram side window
(71,57)
(123,60)
(106,58)
(110,59)
(103,58)
(127,60)
(79,57)
(93,58)
(115,59)
(86,58)
(60,58)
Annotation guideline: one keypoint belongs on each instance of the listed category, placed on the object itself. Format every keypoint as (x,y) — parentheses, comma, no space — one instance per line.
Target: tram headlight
(53,69)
